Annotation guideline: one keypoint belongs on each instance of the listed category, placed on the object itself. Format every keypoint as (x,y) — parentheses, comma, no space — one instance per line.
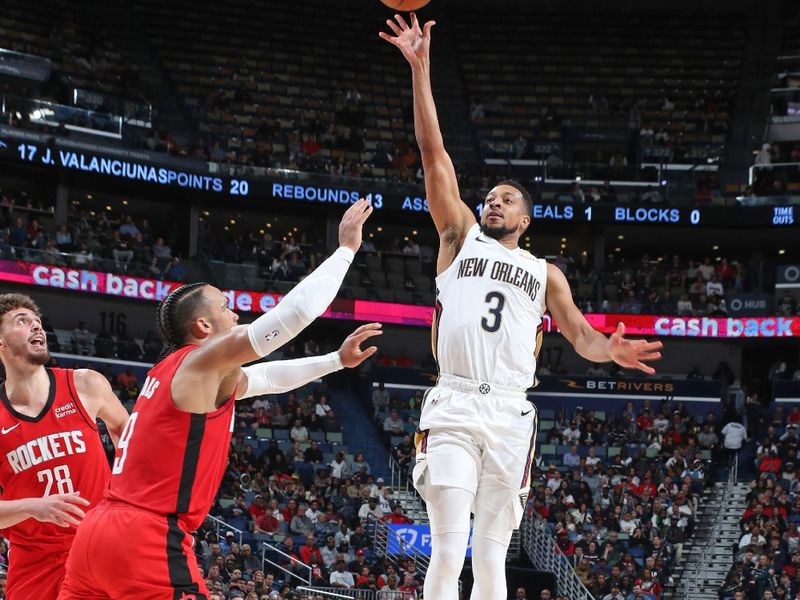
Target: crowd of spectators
(766,558)
(673,285)
(292,483)
(88,240)
(620,493)
(307,498)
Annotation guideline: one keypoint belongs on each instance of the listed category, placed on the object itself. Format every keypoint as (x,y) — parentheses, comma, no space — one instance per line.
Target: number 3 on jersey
(122,445)
(495,311)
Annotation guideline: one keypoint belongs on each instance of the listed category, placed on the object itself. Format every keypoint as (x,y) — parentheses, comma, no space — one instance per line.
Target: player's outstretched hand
(632,354)
(350,351)
(413,42)
(62,509)
(350,227)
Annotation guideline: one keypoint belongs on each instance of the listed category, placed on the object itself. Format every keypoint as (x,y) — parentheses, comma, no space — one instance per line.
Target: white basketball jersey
(489,308)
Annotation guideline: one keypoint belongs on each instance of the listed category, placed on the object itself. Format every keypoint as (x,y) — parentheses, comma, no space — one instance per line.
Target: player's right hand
(62,509)
(350,227)
(413,42)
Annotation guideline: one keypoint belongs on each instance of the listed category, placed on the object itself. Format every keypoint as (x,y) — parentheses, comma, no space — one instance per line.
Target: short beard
(495,233)
(35,359)
(39,359)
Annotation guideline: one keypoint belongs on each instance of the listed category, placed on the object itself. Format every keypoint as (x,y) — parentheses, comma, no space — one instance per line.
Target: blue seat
(238,522)
(280,434)
(547,413)
(317,436)
(637,554)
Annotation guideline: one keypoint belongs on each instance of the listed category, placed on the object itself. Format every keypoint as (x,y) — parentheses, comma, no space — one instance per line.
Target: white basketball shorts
(479,437)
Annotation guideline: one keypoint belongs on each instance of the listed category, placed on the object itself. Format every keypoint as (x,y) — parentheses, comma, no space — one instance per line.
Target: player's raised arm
(284,375)
(590,344)
(307,301)
(450,215)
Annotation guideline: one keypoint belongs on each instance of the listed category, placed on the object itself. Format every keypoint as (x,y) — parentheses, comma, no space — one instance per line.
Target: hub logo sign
(414,539)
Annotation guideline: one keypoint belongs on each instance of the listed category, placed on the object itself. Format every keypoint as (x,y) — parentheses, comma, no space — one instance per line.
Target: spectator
(369,509)
(81,340)
(398,517)
(393,424)
(322,407)
(734,436)
(572,458)
(340,578)
(310,553)
(411,247)
(298,433)
(329,552)
(380,400)
(301,524)
(714,286)
(339,466)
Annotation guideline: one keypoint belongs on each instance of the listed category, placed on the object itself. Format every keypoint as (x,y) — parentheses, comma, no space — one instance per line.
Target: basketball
(406,5)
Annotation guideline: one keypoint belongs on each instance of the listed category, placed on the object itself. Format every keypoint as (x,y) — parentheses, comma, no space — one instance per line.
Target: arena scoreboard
(138,167)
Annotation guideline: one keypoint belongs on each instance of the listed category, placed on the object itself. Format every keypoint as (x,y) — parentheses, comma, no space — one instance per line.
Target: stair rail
(390,545)
(219,525)
(545,555)
(270,556)
(334,592)
(695,579)
(401,482)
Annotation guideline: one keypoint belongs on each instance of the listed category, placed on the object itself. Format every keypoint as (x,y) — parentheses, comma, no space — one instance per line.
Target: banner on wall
(749,305)
(138,288)
(404,538)
(634,387)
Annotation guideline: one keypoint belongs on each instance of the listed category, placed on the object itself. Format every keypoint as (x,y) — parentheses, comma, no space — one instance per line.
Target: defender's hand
(351,353)
(352,222)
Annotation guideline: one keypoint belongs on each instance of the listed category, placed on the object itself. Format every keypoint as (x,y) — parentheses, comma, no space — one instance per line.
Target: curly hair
(9,302)
(174,314)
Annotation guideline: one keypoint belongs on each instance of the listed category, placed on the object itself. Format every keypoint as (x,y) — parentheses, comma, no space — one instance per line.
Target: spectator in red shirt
(257,508)
(290,510)
(565,545)
(127,378)
(644,421)
(397,517)
(647,486)
(794,415)
(311,145)
(409,587)
(770,463)
(267,524)
(310,553)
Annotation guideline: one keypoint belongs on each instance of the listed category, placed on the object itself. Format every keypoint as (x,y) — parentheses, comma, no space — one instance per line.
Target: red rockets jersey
(58,451)
(169,461)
